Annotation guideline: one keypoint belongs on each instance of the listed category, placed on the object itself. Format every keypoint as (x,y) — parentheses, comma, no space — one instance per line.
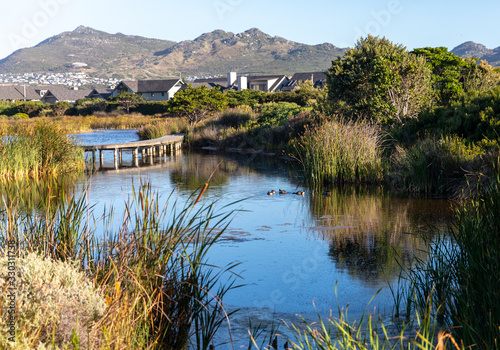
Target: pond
(298,254)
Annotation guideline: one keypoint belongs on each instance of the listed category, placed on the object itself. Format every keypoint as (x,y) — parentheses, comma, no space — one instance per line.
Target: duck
(270,193)
(283,192)
(300,193)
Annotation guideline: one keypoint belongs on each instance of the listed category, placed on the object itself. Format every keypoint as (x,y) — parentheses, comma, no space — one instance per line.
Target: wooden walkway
(149,148)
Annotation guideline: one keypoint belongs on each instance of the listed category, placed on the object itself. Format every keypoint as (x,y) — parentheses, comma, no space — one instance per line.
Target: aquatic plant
(40,150)
(341,151)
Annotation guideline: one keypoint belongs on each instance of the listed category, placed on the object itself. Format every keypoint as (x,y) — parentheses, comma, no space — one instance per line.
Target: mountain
(471,49)
(123,56)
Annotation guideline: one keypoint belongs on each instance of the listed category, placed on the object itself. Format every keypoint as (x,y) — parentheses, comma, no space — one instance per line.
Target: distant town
(73,79)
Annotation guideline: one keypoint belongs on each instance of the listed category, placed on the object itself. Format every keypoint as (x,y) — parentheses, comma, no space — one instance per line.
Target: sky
(413,23)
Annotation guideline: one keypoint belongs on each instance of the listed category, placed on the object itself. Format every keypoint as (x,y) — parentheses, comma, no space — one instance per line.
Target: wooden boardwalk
(148,148)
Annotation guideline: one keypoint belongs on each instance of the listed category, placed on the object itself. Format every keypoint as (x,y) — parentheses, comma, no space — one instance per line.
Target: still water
(298,254)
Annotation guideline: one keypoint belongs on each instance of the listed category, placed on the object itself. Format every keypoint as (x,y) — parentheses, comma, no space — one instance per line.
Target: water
(298,254)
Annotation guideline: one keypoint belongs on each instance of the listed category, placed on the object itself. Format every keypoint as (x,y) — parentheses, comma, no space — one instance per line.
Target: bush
(278,113)
(52,299)
(18,116)
(235,117)
(152,108)
(89,106)
(32,108)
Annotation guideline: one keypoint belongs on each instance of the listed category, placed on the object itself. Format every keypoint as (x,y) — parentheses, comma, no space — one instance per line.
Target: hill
(471,49)
(123,56)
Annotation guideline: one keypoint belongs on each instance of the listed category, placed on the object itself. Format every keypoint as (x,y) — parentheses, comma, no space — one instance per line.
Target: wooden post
(120,157)
(116,158)
(135,157)
(93,159)
(151,151)
(101,158)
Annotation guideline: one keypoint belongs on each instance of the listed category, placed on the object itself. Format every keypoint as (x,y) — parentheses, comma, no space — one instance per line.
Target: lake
(298,254)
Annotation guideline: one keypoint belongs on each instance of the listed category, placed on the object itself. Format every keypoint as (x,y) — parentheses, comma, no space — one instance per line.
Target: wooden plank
(165,140)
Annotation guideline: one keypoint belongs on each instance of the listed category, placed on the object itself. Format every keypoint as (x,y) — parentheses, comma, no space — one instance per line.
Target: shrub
(278,113)
(18,116)
(52,298)
(235,117)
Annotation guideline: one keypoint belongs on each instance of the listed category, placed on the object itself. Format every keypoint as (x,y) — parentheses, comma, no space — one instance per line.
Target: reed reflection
(370,233)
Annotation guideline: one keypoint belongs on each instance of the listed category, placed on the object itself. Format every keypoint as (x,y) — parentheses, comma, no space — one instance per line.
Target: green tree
(126,100)
(378,80)
(446,72)
(197,104)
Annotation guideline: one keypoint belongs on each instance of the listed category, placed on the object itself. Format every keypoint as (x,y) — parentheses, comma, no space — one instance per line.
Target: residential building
(317,78)
(62,93)
(151,90)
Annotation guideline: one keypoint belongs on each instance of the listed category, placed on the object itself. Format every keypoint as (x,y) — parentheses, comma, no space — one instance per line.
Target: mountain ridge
(128,56)
(121,56)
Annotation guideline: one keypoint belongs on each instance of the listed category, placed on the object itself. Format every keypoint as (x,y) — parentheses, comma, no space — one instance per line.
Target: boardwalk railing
(151,148)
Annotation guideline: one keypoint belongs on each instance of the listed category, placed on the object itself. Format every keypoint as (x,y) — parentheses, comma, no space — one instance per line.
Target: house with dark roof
(267,83)
(18,93)
(100,93)
(317,78)
(220,83)
(60,93)
(151,90)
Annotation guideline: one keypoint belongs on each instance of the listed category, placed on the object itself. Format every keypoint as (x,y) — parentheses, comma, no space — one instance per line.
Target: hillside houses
(159,89)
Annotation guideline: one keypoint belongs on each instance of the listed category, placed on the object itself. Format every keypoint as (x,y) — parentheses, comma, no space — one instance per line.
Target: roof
(103,93)
(210,82)
(13,92)
(64,94)
(143,86)
(318,78)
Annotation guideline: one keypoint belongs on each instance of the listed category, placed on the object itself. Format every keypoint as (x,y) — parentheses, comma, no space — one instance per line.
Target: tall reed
(153,270)
(460,272)
(39,150)
(341,151)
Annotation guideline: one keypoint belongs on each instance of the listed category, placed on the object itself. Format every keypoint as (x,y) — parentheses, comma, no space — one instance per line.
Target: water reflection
(371,233)
(36,195)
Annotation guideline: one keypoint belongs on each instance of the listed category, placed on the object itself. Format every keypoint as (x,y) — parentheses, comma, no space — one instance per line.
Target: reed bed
(434,166)
(39,150)
(341,151)
(163,127)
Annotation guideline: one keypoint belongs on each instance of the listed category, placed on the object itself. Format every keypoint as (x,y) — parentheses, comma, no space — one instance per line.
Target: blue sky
(413,23)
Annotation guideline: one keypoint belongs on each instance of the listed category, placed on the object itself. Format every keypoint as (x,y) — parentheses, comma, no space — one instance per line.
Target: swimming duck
(283,192)
(300,193)
(270,193)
